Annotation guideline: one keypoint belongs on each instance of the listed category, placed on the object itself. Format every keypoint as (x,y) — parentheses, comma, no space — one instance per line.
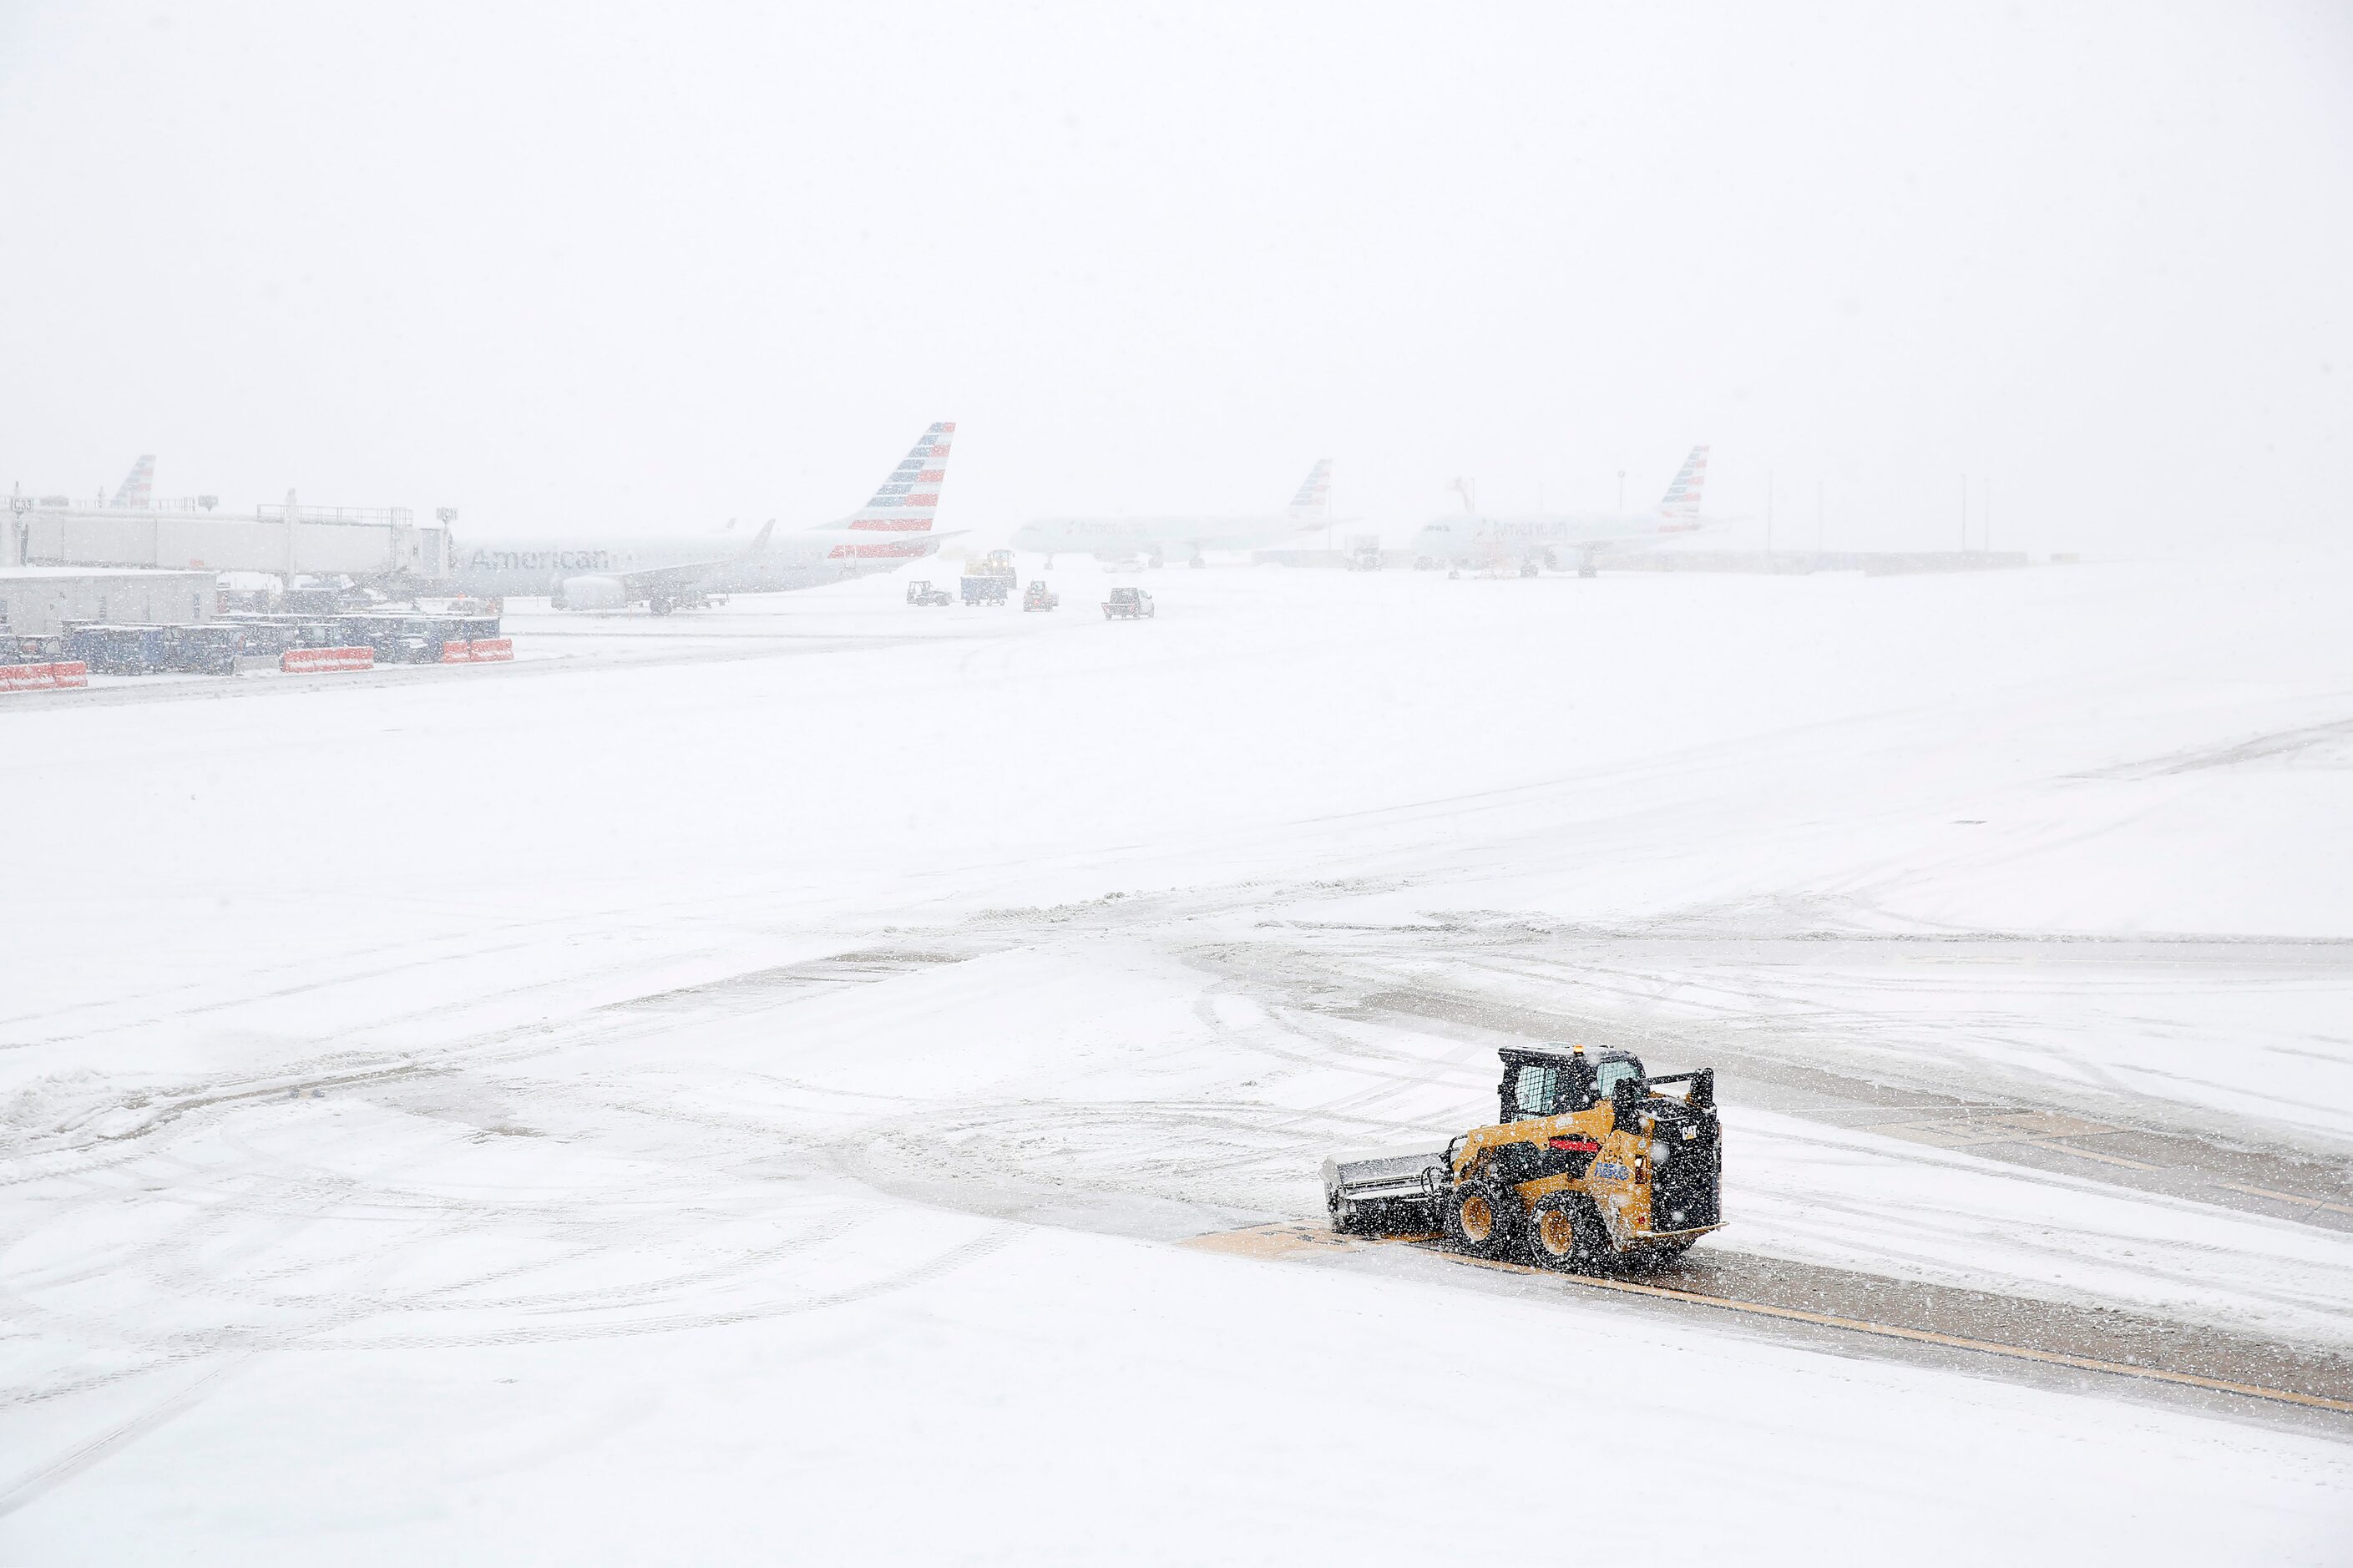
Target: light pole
(19,505)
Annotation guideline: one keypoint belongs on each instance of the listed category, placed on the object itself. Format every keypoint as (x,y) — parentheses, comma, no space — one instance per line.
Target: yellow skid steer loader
(1587,1167)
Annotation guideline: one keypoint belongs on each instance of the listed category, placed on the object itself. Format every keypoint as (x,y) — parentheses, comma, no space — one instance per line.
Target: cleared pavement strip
(2204,1168)
(1297,1239)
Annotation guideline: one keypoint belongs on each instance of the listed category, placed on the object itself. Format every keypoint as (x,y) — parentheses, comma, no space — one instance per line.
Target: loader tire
(1483,1219)
(1565,1233)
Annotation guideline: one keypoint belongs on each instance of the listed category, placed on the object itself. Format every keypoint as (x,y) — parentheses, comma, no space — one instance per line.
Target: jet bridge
(370,544)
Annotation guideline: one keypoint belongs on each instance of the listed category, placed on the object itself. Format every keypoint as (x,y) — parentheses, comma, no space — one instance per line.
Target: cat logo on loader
(1587,1167)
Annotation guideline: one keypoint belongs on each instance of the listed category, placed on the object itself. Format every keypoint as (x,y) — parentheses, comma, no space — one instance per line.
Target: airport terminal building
(37,601)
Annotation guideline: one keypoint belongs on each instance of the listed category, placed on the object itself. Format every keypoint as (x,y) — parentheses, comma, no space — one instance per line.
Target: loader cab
(1555,1082)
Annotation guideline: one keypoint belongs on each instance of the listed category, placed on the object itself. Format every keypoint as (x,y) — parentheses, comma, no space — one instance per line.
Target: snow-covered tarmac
(738,1088)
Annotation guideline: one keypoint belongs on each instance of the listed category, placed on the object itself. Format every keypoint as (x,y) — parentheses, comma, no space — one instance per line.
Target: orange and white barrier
(314,660)
(43,677)
(481,650)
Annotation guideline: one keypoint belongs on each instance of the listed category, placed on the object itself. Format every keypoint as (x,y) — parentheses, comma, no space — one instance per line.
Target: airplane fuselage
(1118,538)
(526,568)
(1476,537)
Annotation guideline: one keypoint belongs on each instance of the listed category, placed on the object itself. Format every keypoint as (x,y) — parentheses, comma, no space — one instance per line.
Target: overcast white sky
(598,268)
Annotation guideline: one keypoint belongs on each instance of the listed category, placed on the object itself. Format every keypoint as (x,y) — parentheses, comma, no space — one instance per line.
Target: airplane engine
(590,593)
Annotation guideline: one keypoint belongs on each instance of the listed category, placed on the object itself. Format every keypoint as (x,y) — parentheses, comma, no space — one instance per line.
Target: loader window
(1539,1091)
(1609,1075)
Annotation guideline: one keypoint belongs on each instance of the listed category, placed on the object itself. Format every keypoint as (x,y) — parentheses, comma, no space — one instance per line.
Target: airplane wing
(697,576)
(667,581)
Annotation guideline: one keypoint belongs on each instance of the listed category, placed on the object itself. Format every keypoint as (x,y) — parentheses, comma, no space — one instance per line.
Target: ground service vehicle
(1038,596)
(1127,605)
(1587,1167)
(117,650)
(18,647)
(922,593)
(400,639)
(992,580)
(262,636)
(211,648)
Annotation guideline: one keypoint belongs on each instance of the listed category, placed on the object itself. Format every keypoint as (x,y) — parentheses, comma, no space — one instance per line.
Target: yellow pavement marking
(1280,1241)
(2299,1198)
(1290,1240)
(2089,1154)
(1269,1241)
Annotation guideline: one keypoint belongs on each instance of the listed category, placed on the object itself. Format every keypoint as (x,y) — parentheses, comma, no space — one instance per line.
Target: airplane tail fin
(138,485)
(1682,498)
(759,545)
(1316,493)
(910,498)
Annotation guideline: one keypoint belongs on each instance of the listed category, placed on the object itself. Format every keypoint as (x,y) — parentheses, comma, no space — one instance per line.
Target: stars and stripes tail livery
(906,503)
(1314,492)
(138,485)
(1682,498)
(910,498)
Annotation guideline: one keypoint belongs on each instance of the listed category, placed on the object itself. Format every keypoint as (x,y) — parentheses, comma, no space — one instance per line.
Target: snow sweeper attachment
(1587,1167)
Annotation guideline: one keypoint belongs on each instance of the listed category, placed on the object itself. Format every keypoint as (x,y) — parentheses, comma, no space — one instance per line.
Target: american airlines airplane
(1544,539)
(1155,538)
(893,527)
(135,493)
(138,486)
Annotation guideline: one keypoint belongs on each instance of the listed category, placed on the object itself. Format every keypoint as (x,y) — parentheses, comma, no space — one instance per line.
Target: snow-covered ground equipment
(1038,596)
(1586,1167)
(990,581)
(1128,605)
(921,593)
